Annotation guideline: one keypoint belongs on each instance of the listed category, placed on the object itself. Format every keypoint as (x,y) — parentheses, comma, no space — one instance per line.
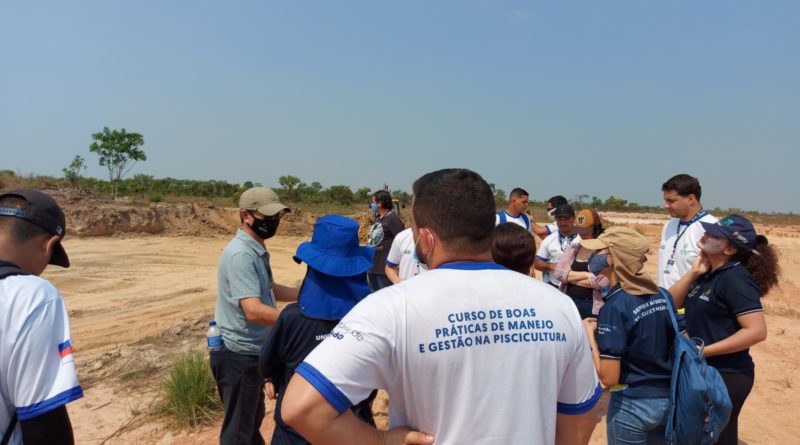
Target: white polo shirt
(37,372)
(403,256)
(553,246)
(471,352)
(678,248)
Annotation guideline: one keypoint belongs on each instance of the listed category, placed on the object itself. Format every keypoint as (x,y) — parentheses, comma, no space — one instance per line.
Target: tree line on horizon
(119,150)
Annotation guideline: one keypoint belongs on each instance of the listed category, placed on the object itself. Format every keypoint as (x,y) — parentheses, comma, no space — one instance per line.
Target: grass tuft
(189,393)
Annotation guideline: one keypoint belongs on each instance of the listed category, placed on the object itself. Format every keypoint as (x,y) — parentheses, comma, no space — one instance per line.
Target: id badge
(668,269)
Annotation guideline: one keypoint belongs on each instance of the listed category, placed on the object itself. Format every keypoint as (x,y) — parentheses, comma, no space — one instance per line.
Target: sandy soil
(136,301)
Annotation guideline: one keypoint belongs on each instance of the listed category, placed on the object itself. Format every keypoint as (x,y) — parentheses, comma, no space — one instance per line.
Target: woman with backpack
(721,295)
(633,348)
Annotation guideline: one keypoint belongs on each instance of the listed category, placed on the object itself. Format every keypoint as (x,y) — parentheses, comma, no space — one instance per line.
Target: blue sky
(558,97)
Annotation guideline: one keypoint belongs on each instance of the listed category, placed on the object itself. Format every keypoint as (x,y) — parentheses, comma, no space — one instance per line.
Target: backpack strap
(527,221)
(10,430)
(670,309)
(502,216)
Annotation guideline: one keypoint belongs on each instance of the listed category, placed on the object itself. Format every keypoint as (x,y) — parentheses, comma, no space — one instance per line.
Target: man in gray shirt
(245,312)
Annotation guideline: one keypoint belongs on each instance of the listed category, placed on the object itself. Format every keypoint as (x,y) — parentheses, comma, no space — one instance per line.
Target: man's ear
(50,243)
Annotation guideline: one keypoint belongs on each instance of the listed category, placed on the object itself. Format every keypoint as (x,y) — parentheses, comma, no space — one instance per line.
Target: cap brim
(594,244)
(582,230)
(332,265)
(59,256)
(272,209)
(714,229)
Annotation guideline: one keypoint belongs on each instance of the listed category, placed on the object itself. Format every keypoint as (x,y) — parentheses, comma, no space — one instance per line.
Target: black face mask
(265,228)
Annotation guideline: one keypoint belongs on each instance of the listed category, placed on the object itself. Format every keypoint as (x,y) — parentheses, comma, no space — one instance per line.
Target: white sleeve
(496,220)
(580,388)
(358,354)
(396,251)
(543,253)
(41,371)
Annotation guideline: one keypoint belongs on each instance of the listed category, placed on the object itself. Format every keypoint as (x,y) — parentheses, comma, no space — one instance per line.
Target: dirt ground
(136,301)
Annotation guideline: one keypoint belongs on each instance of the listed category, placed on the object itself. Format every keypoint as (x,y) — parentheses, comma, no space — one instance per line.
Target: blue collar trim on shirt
(471,266)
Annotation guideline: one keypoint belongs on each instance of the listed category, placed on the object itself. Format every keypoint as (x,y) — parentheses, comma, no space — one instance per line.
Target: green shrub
(189,393)
(155,197)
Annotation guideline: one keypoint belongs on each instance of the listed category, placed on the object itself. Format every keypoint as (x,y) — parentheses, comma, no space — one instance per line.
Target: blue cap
(735,228)
(328,297)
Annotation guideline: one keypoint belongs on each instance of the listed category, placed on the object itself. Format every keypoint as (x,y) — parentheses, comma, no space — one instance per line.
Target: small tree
(363,194)
(289,183)
(73,173)
(340,194)
(118,151)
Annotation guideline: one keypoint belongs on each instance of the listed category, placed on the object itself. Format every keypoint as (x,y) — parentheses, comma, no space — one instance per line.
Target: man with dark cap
(246,309)
(543,230)
(37,372)
(555,244)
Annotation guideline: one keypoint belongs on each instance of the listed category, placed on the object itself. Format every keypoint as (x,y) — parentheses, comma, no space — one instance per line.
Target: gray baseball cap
(262,200)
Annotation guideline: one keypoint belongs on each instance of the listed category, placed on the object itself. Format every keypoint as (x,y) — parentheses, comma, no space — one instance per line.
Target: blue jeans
(636,421)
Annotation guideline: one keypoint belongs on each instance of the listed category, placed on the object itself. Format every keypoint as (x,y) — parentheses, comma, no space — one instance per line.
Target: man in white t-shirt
(555,244)
(515,213)
(679,237)
(402,262)
(469,351)
(37,372)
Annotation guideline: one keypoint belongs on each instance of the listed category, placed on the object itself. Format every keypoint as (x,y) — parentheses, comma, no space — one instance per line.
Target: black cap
(564,210)
(42,210)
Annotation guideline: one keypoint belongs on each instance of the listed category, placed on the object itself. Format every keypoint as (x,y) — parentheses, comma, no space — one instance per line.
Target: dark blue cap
(735,228)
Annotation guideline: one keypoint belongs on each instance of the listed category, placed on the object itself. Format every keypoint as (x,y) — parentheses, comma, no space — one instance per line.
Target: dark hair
(763,268)
(518,193)
(20,230)
(597,229)
(513,247)
(384,199)
(557,200)
(683,184)
(458,205)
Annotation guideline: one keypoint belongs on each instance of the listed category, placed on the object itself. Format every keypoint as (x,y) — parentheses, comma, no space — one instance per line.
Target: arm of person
(680,289)
(575,429)
(285,293)
(539,230)
(392,274)
(50,428)
(255,310)
(753,330)
(542,265)
(306,411)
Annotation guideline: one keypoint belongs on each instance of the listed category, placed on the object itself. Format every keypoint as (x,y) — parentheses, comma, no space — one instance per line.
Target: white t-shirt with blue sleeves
(471,352)
(37,371)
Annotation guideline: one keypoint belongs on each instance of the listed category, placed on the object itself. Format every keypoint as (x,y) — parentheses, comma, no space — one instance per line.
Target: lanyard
(680,232)
(561,239)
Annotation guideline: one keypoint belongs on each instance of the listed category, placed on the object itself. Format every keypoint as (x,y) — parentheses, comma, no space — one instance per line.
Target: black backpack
(7,270)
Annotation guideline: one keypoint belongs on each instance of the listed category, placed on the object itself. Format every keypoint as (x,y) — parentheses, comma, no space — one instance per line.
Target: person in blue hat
(335,281)
(722,296)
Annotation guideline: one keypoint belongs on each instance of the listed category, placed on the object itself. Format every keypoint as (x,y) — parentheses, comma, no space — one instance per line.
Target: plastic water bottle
(214,336)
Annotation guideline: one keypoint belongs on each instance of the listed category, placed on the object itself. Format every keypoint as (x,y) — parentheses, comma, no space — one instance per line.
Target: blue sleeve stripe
(541,258)
(580,408)
(391,264)
(547,227)
(39,408)
(332,394)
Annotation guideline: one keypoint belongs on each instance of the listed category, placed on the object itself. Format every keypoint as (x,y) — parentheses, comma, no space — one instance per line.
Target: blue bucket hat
(735,228)
(328,297)
(334,249)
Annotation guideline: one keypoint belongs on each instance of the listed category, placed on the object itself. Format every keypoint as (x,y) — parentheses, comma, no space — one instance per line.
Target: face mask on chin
(712,246)
(265,228)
